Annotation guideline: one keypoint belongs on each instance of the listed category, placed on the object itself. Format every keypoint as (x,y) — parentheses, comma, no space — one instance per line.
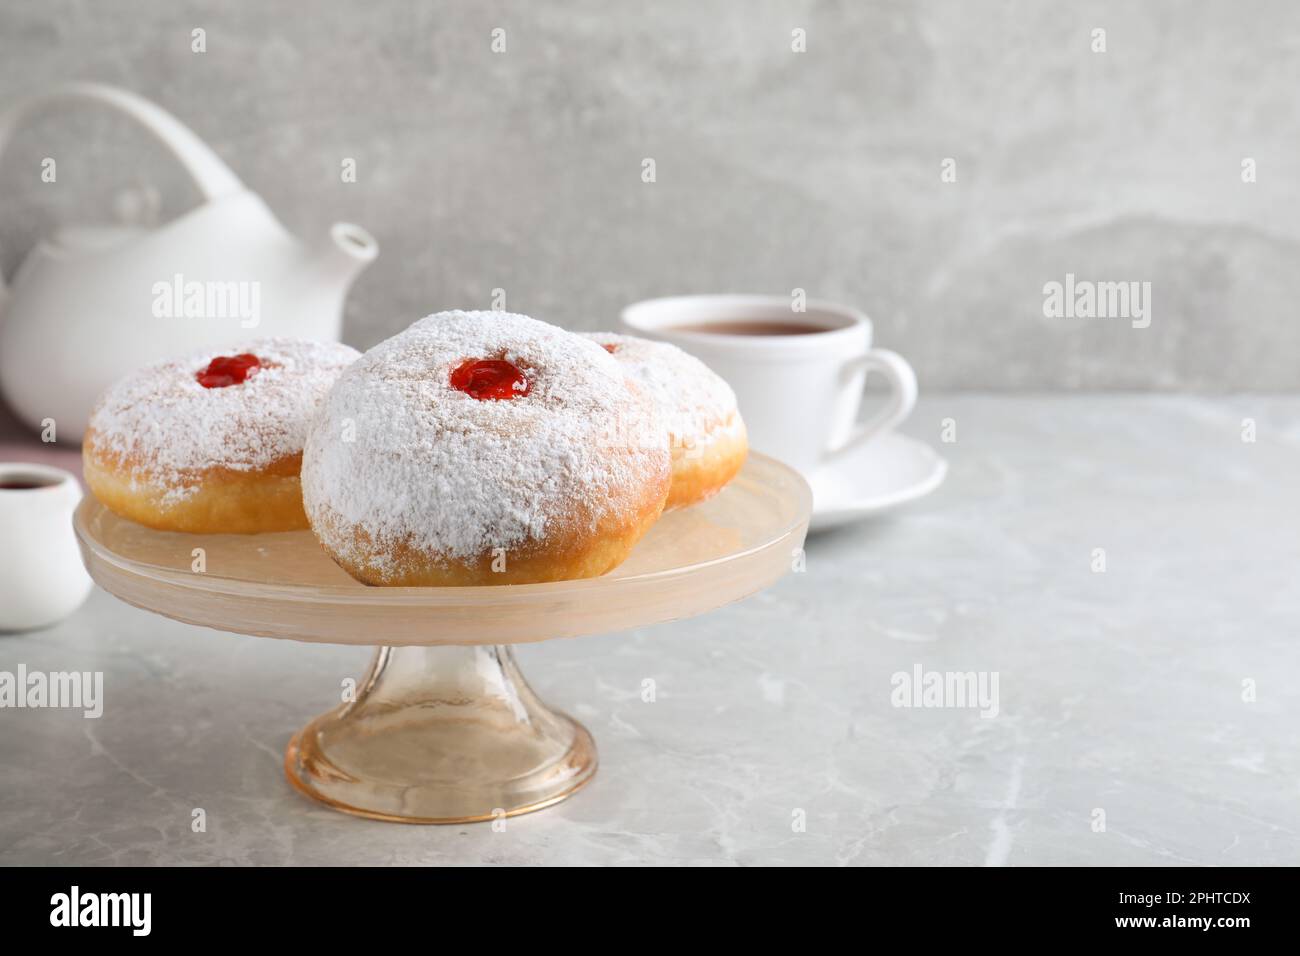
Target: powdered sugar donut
(483,448)
(705,430)
(213,442)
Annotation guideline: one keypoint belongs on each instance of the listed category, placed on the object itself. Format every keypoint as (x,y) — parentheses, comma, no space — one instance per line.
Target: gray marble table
(1147,714)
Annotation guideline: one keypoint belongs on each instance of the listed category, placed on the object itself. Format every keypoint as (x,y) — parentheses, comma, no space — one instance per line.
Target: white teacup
(42,579)
(798,376)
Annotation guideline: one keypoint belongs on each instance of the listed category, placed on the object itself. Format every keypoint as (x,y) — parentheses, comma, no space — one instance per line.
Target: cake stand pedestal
(441,735)
(444,728)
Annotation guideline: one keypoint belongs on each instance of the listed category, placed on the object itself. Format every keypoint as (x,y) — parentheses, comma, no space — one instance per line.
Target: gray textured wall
(775,169)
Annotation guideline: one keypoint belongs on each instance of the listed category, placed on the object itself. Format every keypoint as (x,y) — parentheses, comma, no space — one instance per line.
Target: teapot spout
(348,250)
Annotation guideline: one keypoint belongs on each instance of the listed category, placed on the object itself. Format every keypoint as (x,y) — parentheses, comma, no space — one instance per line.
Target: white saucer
(882,474)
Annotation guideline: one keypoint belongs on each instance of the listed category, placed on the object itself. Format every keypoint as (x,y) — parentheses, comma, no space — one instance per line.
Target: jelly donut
(212,443)
(480,448)
(705,430)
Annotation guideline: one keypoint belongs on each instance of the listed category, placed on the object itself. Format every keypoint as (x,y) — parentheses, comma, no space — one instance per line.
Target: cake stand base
(445,734)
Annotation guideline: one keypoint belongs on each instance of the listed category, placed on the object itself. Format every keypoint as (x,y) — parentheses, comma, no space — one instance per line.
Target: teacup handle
(902,395)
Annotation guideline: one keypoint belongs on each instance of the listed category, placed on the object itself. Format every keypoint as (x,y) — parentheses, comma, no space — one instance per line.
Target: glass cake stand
(444,728)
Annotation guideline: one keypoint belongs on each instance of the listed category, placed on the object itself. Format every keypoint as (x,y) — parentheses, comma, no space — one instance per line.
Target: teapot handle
(213,178)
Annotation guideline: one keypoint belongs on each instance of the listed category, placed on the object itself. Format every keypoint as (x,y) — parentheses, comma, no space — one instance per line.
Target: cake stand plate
(444,728)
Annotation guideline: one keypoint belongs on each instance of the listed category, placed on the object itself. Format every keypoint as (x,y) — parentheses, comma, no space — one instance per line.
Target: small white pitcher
(42,579)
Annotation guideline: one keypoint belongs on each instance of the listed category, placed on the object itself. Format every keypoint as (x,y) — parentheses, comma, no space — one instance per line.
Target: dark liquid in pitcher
(23,484)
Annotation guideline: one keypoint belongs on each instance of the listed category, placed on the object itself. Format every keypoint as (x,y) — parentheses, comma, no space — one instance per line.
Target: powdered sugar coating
(695,401)
(406,460)
(166,429)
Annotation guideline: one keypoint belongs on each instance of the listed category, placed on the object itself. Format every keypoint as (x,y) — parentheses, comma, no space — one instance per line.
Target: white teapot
(90,304)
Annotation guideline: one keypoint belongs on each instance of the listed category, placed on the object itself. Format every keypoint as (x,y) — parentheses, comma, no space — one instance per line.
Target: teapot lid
(79,240)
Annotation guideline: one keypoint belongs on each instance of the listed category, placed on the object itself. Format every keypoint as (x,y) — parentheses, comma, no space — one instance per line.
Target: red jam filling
(611,349)
(490,379)
(226,370)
